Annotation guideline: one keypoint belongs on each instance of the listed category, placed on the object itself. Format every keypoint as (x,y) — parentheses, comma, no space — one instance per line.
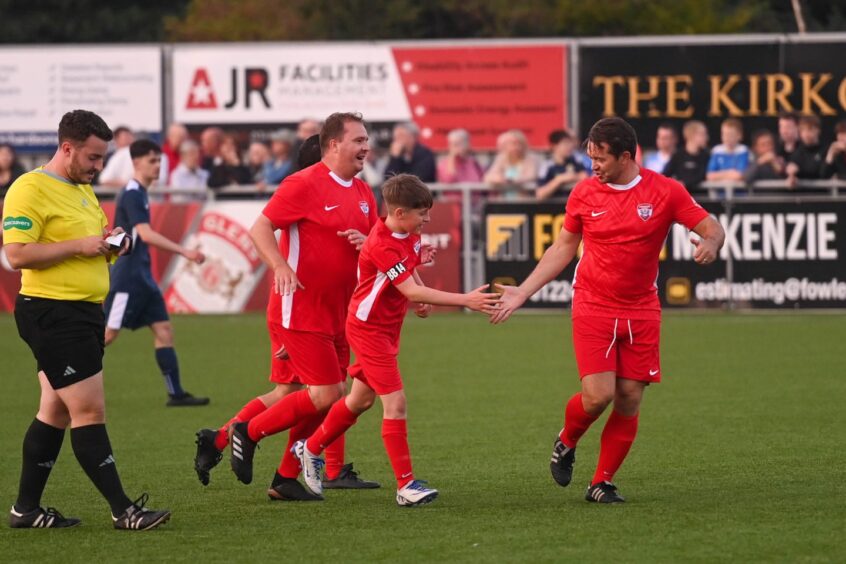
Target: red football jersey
(623,230)
(310,207)
(387,259)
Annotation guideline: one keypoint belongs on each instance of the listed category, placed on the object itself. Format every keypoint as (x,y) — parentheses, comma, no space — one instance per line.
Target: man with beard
(55,232)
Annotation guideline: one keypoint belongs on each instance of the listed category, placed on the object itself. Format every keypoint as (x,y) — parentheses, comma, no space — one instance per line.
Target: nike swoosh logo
(653,372)
(330,208)
(406,475)
(597,214)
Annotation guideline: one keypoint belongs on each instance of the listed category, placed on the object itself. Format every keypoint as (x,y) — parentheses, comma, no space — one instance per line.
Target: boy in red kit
(622,214)
(386,283)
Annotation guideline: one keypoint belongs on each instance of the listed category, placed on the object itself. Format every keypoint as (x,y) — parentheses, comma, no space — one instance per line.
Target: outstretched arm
(476,300)
(156,239)
(554,260)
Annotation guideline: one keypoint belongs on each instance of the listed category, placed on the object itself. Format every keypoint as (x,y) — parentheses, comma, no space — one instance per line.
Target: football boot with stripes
(243,449)
(561,463)
(40,518)
(139,518)
(603,492)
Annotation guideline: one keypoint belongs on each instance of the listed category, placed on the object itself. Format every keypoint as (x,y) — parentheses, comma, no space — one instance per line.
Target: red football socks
(289,467)
(617,438)
(337,421)
(282,415)
(576,421)
(334,458)
(395,437)
(253,408)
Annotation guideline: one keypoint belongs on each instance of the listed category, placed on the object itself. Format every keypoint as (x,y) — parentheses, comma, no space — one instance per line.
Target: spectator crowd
(215,159)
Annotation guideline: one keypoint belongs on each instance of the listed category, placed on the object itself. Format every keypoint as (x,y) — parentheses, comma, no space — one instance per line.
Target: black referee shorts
(66,337)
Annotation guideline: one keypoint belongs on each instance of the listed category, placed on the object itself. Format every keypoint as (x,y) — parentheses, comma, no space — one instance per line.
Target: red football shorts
(375,358)
(281,371)
(317,359)
(627,347)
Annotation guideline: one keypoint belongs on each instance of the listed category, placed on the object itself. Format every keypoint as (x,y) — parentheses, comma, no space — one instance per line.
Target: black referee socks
(41,446)
(94,453)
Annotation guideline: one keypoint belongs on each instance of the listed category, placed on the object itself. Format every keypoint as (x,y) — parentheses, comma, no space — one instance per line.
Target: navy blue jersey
(133,270)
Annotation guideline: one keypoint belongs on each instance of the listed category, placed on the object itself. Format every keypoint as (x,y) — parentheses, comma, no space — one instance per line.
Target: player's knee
(324,396)
(597,402)
(55,414)
(89,414)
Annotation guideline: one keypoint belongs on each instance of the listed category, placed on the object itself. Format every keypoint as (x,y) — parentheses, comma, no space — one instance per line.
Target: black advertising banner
(785,254)
(782,255)
(651,84)
(516,234)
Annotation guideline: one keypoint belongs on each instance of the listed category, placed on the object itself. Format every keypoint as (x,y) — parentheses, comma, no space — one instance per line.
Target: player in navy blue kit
(135,299)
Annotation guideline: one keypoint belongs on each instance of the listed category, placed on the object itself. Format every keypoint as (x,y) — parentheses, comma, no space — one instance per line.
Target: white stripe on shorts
(118,309)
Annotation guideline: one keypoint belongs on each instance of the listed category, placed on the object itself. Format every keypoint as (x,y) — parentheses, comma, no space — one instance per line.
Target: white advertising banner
(283,84)
(38,85)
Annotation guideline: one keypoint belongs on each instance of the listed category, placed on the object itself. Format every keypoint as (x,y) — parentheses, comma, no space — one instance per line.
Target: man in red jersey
(622,214)
(212,442)
(323,213)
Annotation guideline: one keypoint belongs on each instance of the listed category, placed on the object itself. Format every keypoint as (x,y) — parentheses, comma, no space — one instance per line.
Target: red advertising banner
(486,90)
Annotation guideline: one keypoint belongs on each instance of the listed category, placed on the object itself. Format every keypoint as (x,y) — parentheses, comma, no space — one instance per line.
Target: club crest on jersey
(644,211)
(365,207)
(417,247)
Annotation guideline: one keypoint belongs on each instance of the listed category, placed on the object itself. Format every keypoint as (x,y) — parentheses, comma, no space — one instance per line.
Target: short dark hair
(810,121)
(143,147)
(617,134)
(668,125)
(77,126)
(333,127)
(791,116)
(406,191)
(762,133)
(310,152)
(558,135)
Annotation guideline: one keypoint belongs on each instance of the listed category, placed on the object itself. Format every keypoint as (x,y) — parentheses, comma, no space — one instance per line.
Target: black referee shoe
(40,518)
(207,456)
(139,518)
(243,449)
(348,480)
(603,492)
(561,463)
(289,489)
(186,400)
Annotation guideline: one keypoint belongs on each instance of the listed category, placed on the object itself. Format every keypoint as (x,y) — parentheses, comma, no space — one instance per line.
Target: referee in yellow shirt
(54,231)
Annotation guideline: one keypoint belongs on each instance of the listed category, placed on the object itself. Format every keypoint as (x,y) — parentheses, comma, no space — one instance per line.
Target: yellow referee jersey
(43,208)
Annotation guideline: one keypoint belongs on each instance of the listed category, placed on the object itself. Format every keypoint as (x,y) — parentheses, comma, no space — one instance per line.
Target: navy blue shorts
(139,307)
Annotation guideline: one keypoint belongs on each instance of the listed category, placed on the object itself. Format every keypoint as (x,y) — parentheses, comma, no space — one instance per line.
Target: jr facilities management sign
(776,255)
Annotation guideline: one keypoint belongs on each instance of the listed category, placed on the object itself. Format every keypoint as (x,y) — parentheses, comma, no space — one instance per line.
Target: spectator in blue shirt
(730,159)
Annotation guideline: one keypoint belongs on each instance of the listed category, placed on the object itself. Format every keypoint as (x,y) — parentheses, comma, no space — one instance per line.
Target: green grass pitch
(740,455)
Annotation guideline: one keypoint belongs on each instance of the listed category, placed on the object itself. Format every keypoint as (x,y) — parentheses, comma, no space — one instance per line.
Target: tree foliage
(85,21)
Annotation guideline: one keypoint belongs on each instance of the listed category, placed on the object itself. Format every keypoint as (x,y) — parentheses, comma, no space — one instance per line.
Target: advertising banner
(515,237)
(783,255)
(755,81)
(38,85)
(776,255)
(486,89)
